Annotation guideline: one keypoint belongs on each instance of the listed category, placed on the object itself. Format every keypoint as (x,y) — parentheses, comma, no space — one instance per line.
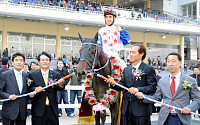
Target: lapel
(167,79)
(180,84)
(14,80)
(40,77)
(50,74)
(24,81)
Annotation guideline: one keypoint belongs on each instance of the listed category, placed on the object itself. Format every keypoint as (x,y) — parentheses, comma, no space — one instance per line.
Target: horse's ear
(96,37)
(81,37)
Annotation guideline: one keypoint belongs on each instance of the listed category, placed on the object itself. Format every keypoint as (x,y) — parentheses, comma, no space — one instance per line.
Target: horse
(92,57)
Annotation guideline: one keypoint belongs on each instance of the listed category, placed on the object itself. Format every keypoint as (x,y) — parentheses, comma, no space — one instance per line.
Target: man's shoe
(72,115)
(59,115)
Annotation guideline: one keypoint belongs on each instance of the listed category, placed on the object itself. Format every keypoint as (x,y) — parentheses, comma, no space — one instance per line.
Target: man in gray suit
(171,90)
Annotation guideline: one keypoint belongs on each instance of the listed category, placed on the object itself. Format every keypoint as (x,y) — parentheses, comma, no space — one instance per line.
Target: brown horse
(92,57)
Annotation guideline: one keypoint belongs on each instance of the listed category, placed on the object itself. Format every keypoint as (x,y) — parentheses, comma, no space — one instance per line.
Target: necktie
(19,81)
(46,83)
(172,87)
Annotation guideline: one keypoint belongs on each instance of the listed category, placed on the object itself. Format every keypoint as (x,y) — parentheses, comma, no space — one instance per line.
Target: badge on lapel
(138,74)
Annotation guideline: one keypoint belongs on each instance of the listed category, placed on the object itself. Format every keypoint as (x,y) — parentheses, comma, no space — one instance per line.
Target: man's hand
(110,80)
(39,89)
(118,28)
(186,110)
(13,97)
(61,82)
(32,94)
(133,90)
(139,95)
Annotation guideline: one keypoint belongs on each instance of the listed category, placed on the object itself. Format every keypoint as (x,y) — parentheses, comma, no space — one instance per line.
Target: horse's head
(88,56)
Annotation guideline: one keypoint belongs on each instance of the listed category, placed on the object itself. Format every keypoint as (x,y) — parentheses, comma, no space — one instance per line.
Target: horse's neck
(102,62)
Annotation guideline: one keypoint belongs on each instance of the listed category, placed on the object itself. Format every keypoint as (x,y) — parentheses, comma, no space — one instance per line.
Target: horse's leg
(97,118)
(114,113)
(103,117)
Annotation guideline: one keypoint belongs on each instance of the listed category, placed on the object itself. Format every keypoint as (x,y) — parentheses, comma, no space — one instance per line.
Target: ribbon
(152,100)
(27,94)
(98,107)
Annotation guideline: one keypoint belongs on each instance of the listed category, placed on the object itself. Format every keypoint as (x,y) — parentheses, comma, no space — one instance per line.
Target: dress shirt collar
(15,71)
(178,75)
(46,72)
(137,66)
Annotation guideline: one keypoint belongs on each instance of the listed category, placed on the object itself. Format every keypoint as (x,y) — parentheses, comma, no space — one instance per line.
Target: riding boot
(103,117)
(97,119)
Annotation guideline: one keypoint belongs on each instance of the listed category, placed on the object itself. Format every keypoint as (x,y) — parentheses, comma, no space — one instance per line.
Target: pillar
(4,37)
(197,10)
(114,2)
(149,4)
(58,41)
(182,49)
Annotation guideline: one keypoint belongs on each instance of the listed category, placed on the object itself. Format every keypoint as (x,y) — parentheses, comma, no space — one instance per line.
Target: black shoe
(1,120)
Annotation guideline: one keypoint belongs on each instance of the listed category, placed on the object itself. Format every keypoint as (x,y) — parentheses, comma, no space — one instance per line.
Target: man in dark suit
(196,75)
(134,112)
(45,105)
(13,83)
(4,67)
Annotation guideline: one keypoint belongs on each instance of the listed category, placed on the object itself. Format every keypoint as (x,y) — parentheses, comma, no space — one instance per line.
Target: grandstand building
(32,28)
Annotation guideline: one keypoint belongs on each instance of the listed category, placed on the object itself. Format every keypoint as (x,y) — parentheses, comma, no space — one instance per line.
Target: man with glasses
(44,105)
(112,38)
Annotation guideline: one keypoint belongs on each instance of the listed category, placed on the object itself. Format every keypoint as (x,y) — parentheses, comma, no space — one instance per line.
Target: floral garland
(111,94)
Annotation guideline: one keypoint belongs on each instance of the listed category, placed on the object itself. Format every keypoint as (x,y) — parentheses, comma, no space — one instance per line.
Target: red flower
(87,88)
(89,95)
(121,72)
(112,57)
(88,83)
(103,103)
(89,77)
(116,67)
(116,80)
(114,61)
(112,92)
(92,101)
(115,74)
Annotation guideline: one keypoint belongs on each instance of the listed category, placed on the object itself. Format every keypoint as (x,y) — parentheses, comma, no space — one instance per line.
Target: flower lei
(138,74)
(187,84)
(111,94)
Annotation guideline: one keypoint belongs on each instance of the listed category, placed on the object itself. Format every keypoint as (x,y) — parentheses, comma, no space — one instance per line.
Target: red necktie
(172,87)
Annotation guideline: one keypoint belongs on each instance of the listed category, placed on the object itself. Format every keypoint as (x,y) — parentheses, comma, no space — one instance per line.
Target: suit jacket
(3,69)
(9,86)
(147,85)
(198,78)
(181,98)
(39,101)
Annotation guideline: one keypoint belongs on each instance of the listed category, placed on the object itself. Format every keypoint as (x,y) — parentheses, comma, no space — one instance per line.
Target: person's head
(110,16)
(137,53)
(25,68)
(174,62)
(44,60)
(4,61)
(75,63)
(18,61)
(60,63)
(33,66)
(196,70)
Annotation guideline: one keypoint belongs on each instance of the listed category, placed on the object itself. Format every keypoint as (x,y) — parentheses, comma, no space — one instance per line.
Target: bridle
(92,64)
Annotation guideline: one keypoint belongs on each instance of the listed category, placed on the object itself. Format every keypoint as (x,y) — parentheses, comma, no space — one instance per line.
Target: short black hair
(18,54)
(44,53)
(4,61)
(195,67)
(26,64)
(74,62)
(60,60)
(175,54)
(33,62)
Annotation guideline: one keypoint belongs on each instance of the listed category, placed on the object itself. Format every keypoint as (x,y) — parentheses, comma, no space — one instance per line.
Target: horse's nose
(83,73)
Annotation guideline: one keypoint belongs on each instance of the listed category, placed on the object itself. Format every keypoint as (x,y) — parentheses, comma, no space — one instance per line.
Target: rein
(93,63)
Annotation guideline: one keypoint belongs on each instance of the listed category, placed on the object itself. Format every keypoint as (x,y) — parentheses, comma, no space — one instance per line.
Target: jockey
(112,38)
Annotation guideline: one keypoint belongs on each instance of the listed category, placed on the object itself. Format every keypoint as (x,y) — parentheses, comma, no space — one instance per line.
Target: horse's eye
(93,52)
